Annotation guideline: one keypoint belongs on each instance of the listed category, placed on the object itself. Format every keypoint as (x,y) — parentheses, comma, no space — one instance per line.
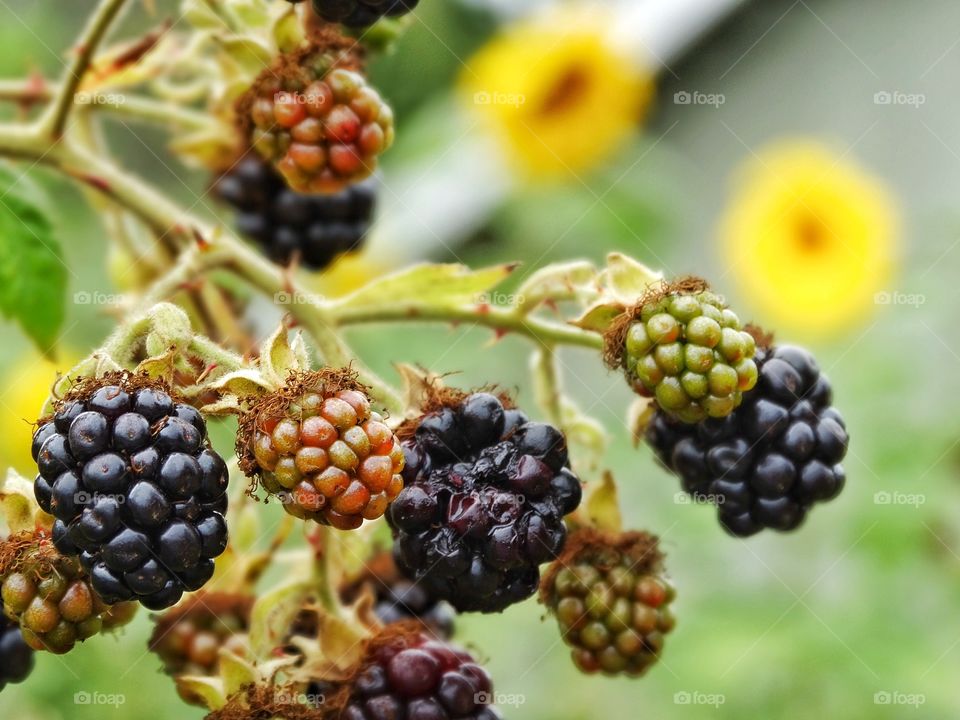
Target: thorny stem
(54,119)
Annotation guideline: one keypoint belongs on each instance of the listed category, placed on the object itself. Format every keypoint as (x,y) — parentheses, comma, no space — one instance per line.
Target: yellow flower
(557,93)
(29,381)
(810,237)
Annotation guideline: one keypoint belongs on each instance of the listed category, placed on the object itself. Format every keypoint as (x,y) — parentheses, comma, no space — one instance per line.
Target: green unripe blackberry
(52,599)
(611,601)
(687,350)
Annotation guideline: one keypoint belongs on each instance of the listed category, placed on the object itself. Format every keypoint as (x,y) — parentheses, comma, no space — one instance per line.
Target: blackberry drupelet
(768,462)
(413,677)
(687,350)
(16,657)
(317,229)
(483,506)
(137,492)
(361,13)
(324,453)
(611,601)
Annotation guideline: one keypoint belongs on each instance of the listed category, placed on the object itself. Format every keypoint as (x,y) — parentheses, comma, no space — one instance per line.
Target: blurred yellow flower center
(810,238)
(557,93)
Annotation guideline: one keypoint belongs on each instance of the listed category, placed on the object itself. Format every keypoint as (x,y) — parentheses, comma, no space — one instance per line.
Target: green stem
(502,319)
(54,119)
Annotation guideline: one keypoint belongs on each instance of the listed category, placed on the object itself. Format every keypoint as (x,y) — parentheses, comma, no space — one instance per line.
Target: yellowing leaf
(273,614)
(603,505)
(424,286)
(574,280)
(626,279)
(205,691)
(597,318)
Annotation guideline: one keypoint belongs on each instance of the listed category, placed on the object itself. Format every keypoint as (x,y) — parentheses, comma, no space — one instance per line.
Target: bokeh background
(853,616)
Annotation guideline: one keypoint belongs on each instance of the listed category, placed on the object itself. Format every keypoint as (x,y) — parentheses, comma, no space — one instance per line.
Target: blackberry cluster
(329,457)
(361,13)
(611,603)
(323,128)
(486,492)
(772,458)
(188,638)
(399,599)
(54,604)
(16,657)
(688,350)
(136,491)
(315,228)
(416,678)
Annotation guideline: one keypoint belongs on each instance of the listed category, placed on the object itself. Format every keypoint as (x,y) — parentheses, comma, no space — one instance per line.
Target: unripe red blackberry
(398,599)
(16,657)
(322,126)
(486,492)
(318,445)
(405,674)
(188,638)
(684,347)
(361,13)
(138,493)
(611,601)
(316,229)
(771,459)
(50,596)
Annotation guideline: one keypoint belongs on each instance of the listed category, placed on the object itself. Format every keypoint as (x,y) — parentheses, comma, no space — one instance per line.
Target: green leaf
(603,506)
(628,279)
(430,286)
(575,280)
(33,277)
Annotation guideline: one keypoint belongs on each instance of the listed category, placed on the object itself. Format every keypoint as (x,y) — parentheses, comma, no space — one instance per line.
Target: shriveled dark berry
(114,467)
(486,491)
(317,228)
(361,13)
(770,460)
(16,657)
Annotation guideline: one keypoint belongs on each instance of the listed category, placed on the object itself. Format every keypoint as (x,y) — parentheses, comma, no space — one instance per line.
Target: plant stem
(134,107)
(502,319)
(54,119)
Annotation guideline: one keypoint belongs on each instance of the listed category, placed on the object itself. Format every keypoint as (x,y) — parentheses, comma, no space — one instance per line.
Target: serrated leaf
(33,277)
(205,691)
(448,285)
(598,317)
(603,505)
(562,281)
(273,615)
(626,279)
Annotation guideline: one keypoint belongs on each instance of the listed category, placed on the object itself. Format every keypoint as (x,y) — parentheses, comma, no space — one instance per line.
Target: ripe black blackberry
(483,503)
(766,463)
(361,13)
(318,228)
(405,674)
(137,492)
(398,598)
(16,657)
